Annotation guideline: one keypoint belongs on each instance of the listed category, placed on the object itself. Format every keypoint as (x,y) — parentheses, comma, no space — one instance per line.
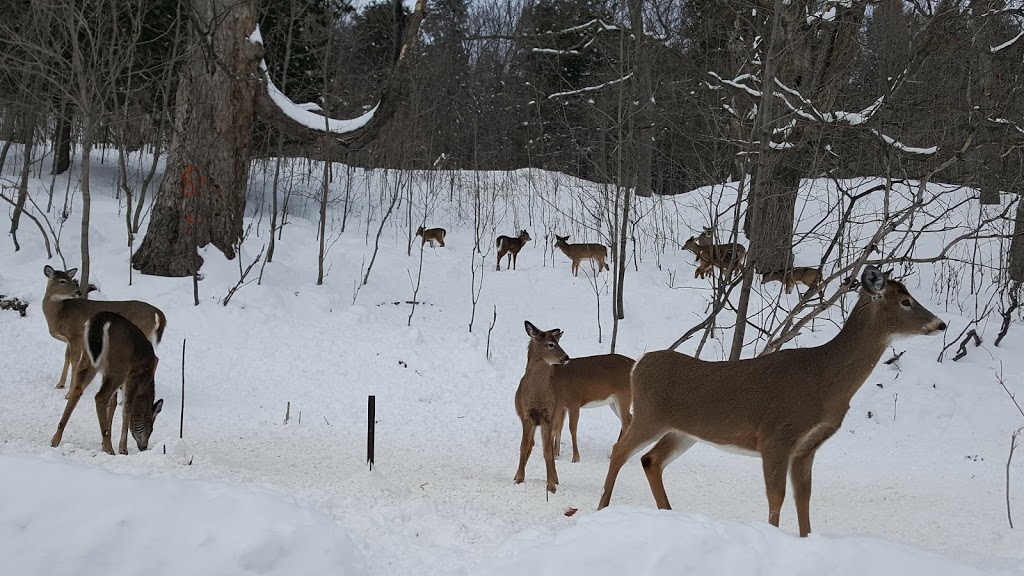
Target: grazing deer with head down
(579,252)
(511,245)
(554,383)
(809,277)
(118,349)
(728,257)
(66,312)
(431,235)
(782,406)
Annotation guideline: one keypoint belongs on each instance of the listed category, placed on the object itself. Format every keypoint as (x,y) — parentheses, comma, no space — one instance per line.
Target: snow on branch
(1008,43)
(591,88)
(903,147)
(737,83)
(301,112)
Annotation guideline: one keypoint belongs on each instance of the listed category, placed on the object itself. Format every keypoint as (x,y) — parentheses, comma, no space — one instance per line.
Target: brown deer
(809,277)
(118,349)
(728,257)
(579,252)
(431,235)
(66,312)
(554,383)
(782,406)
(511,245)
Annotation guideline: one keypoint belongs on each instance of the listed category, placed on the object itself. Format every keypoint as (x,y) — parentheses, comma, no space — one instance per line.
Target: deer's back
(593,378)
(135,311)
(733,402)
(585,250)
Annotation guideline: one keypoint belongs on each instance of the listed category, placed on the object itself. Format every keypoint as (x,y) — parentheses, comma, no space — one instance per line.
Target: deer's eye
(63,282)
(551,345)
(905,303)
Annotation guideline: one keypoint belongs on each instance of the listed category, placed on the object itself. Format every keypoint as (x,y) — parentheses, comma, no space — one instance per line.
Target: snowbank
(636,541)
(58,518)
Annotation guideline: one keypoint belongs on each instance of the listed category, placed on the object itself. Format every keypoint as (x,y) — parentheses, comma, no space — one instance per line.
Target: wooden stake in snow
(371,410)
(181,420)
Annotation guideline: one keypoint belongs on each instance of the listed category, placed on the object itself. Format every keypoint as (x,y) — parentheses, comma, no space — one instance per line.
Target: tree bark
(62,143)
(208,161)
(776,174)
(1017,244)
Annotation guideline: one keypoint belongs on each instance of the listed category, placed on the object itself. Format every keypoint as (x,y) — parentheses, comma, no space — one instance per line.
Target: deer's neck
(855,351)
(51,311)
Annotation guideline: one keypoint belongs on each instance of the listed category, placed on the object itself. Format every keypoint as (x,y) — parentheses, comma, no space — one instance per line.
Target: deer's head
(544,345)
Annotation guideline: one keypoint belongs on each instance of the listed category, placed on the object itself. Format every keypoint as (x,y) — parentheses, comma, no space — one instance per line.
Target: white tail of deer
(66,313)
(782,406)
(579,252)
(117,348)
(554,383)
(431,235)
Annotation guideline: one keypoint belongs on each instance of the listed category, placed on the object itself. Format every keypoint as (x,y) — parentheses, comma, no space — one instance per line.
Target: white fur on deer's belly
(596,403)
(732,449)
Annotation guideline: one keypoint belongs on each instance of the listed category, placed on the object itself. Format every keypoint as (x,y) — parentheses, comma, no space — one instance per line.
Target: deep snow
(926,469)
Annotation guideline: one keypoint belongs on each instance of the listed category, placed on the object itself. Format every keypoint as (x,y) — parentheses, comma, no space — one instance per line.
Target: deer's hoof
(551,488)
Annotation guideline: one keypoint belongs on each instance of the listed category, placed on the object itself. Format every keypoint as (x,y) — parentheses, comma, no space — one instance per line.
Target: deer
(66,312)
(809,277)
(728,257)
(782,406)
(116,347)
(579,252)
(511,245)
(553,383)
(431,235)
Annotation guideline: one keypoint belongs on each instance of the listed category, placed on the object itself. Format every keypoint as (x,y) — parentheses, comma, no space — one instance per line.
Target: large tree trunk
(201,199)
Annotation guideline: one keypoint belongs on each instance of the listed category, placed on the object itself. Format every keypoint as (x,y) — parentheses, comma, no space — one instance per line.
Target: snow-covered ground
(925,471)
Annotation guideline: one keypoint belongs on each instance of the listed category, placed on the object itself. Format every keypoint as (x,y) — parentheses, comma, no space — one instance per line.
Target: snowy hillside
(919,464)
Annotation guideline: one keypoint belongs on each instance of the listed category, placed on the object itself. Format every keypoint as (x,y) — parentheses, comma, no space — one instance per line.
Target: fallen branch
(241,280)
(1009,459)
(962,351)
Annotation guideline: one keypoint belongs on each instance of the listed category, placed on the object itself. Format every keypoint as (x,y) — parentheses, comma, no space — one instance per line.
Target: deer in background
(117,348)
(554,383)
(511,245)
(728,257)
(809,277)
(66,313)
(431,235)
(782,406)
(579,252)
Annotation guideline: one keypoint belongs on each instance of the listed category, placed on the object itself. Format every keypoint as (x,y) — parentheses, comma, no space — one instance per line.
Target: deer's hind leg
(637,436)
(670,447)
(106,400)
(79,380)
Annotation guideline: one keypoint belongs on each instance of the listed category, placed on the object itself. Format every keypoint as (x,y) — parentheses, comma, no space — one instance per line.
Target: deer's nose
(941,326)
(565,359)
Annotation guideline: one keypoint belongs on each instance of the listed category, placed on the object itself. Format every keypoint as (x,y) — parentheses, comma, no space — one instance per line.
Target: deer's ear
(872,280)
(158,406)
(556,334)
(49,271)
(887,274)
(71,272)
(531,330)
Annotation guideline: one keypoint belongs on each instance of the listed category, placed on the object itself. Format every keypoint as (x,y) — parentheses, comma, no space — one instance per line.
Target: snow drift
(58,518)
